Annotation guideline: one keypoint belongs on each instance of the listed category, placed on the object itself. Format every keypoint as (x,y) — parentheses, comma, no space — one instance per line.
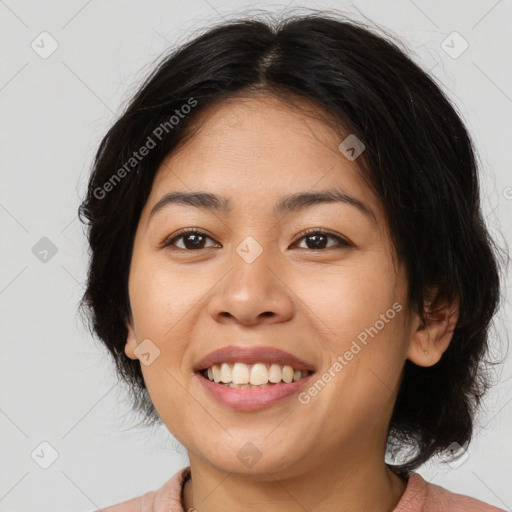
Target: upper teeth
(255,374)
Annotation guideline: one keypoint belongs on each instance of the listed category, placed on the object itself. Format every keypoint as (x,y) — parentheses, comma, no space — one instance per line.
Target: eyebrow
(287,204)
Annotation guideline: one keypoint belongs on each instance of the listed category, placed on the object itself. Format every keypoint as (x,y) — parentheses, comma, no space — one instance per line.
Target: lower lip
(245,399)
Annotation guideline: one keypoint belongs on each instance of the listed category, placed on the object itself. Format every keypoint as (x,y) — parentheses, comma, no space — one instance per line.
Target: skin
(327,454)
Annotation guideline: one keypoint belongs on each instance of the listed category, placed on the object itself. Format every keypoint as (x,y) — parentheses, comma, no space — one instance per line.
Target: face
(314,279)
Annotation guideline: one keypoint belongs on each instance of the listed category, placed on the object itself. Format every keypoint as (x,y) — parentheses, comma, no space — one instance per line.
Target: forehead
(261,147)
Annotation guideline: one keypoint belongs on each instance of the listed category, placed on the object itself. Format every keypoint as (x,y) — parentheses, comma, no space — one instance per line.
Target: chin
(251,458)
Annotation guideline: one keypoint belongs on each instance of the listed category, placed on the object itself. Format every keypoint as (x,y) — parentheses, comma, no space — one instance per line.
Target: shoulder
(423,496)
(166,498)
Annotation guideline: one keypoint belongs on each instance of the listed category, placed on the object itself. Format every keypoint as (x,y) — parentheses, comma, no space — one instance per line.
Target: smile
(256,376)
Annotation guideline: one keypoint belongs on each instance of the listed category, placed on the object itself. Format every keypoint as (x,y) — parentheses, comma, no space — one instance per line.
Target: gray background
(57,385)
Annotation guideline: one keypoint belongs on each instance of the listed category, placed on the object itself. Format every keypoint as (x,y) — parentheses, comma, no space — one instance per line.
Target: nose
(252,293)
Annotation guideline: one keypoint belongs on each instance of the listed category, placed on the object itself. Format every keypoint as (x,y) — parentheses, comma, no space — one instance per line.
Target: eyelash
(169,242)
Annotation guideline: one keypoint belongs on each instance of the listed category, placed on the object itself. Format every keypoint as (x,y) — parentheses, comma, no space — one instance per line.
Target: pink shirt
(419,496)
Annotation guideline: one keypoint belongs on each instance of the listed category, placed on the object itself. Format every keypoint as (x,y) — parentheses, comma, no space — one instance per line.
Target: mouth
(247,379)
(260,375)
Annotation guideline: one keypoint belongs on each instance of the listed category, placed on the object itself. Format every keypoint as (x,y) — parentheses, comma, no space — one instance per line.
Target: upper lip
(252,355)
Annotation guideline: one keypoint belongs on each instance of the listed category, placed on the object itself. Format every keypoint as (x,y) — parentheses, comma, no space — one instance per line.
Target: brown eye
(316,239)
(193,240)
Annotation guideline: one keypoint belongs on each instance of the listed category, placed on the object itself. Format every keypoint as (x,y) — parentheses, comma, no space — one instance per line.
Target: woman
(290,269)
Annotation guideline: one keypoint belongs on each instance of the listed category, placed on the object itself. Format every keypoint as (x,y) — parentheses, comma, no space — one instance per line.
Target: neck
(358,486)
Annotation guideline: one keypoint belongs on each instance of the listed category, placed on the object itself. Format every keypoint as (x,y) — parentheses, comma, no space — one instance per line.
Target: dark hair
(418,159)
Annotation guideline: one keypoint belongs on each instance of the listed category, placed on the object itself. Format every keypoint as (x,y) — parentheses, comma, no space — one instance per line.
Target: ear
(131,341)
(431,339)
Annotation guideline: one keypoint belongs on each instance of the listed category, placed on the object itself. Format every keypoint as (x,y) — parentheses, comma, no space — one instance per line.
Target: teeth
(225,373)
(259,374)
(216,373)
(241,375)
(287,373)
(274,373)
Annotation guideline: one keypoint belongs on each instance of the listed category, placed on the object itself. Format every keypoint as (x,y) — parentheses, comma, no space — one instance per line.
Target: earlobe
(131,342)
(430,340)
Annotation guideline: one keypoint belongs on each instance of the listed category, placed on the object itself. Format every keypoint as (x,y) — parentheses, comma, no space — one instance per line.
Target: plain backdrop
(66,68)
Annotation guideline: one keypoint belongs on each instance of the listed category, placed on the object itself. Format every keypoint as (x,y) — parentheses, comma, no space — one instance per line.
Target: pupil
(196,237)
(322,245)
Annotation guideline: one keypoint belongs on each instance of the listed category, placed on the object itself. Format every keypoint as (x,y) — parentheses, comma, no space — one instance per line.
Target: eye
(193,240)
(317,237)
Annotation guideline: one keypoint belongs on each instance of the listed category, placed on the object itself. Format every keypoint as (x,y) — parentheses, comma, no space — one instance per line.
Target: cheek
(347,300)
(162,302)
(161,297)
(357,313)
